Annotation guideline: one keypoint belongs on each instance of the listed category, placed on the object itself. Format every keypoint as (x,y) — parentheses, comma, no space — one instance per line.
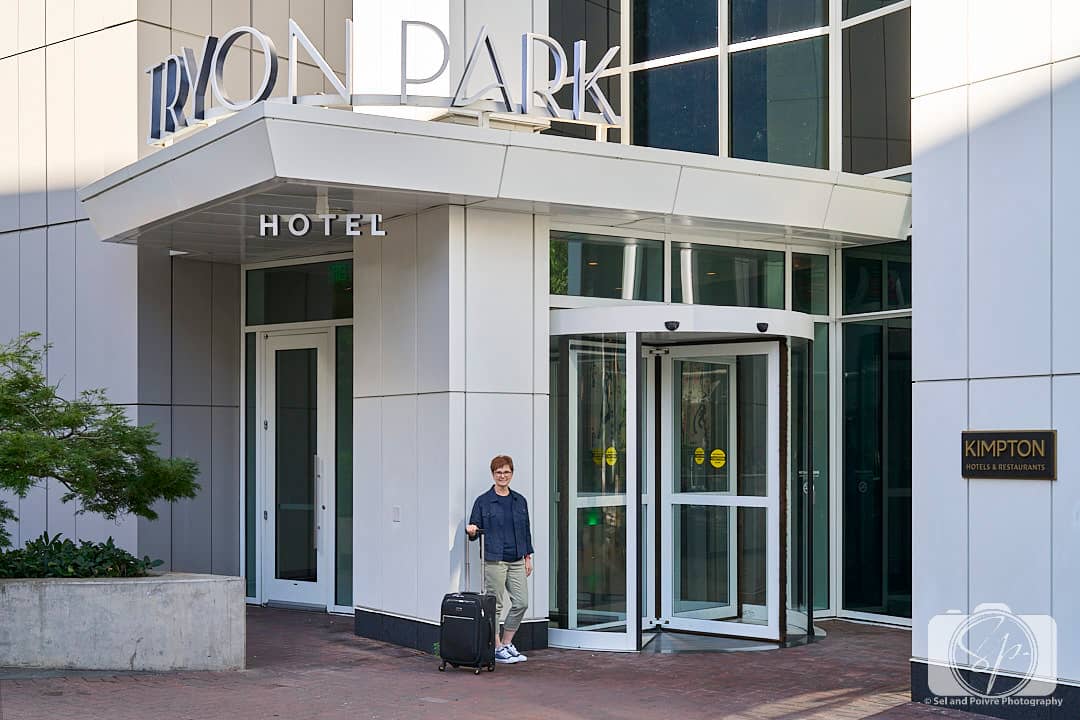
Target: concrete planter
(173,621)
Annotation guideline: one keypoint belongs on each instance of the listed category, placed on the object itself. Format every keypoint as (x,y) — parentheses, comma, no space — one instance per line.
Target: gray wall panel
(225,336)
(191,313)
(155,536)
(155,326)
(225,496)
(191,519)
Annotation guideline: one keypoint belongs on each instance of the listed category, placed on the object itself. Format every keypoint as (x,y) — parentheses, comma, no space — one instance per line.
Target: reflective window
(299,293)
(676,107)
(877,94)
(250,493)
(609,86)
(671,27)
(709,275)
(343,464)
(809,445)
(588,483)
(877,278)
(607,267)
(877,466)
(752,19)
(858,7)
(810,283)
(595,21)
(779,103)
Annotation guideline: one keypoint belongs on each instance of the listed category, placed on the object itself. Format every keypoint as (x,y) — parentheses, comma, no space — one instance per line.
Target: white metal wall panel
(499,302)
(106,297)
(368,501)
(32,174)
(1005,38)
(1013,566)
(193,16)
(940,247)
(9,145)
(1066,218)
(939,497)
(399,307)
(1009,248)
(1065,521)
(31,24)
(399,515)
(60,131)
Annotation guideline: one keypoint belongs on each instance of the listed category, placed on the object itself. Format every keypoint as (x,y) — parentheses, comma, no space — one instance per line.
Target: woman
(503,515)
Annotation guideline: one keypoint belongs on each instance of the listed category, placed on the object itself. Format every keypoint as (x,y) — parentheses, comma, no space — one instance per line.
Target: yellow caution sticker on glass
(718,458)
(610,456)
(597,456)
(699,455)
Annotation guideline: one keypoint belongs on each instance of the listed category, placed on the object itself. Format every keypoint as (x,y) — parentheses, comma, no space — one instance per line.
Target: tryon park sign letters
(177,77)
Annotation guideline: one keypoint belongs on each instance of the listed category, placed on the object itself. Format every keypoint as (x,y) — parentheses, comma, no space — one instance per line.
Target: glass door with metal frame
(297,417)
(594,504)
(719,501)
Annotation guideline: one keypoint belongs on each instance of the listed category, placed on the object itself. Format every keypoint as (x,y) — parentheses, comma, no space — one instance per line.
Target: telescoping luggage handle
(468,575)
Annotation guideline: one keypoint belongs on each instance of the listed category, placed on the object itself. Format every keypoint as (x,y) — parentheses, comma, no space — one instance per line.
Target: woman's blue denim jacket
(485,515)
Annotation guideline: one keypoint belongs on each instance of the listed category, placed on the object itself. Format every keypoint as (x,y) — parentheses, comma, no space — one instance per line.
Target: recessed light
(174,253)
(593,263)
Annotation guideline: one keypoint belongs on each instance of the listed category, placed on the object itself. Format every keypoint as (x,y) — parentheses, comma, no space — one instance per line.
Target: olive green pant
(508,577)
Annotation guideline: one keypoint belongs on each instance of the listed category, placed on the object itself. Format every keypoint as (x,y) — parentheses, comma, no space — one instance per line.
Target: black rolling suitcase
(467,632)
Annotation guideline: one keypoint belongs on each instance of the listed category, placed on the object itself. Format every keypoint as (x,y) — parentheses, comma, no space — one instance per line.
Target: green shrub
(88,445)
(52,557)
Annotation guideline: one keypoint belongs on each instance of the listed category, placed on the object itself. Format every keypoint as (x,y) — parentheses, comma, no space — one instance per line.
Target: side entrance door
(298,468)
(719,509)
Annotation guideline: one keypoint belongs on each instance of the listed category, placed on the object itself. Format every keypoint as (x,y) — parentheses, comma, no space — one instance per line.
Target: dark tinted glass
(595,21)
(249,463)
(810,283)
(609,86)
(343,464)
(858,7)
(708,275)
(877,466)
(608,267)
(779,103)
(752,19)
(877,94)
(671,27)
(299,293)
(877,278)
(676,107)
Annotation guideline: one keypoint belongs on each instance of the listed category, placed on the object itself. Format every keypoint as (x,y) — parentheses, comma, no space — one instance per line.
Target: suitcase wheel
(442,667)
(491,667)
(476,671)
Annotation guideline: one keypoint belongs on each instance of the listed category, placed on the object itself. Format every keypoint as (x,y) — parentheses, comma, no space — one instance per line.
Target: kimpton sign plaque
(1010,454)
(182,76)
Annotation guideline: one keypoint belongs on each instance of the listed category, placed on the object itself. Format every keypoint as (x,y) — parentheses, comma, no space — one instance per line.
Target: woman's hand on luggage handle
(471,529)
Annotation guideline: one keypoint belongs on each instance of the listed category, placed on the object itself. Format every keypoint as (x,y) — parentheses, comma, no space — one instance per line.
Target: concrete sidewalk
(308,665)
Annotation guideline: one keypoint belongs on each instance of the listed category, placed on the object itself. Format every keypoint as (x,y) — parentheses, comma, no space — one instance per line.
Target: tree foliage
(89,445)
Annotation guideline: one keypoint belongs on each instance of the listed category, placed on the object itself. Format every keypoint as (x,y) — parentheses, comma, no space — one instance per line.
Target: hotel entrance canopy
(205,194)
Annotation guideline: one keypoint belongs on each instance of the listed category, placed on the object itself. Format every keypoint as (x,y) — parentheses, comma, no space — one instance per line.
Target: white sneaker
(514,652)
(502,655)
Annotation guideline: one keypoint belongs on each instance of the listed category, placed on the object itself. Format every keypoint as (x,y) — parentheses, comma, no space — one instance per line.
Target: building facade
(692,328)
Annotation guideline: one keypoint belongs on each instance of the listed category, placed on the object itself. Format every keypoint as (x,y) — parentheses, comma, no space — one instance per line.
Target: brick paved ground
(306,665)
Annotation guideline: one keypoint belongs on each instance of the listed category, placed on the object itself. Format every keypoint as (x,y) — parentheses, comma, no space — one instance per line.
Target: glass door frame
(630,640)
(771,501)
(320,338)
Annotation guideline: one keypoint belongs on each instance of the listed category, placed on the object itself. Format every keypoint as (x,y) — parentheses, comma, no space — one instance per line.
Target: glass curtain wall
(876,426)
(755,79)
